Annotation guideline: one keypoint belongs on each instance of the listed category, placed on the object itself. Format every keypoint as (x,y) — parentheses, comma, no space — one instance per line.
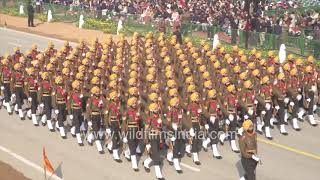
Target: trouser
(132,140)
(30,20)
(295,108)
(267,117)
(213,131)
(19,96)
(310,107)
(96,124)
(47,110)
(196,141)
(155,150)
(77,119)
(179,36)
(232,127)
(281,112)
(34,102)
(115,132)
(62,115)
(7,92)
(249,166)
(178,144)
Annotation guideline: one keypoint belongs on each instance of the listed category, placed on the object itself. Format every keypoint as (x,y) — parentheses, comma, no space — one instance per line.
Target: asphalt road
(294,157)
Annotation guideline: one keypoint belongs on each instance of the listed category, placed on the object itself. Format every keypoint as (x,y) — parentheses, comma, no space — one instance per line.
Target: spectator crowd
(228,14)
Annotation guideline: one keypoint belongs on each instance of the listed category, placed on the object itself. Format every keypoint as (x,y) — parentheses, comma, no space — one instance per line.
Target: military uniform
(75,110)
(248,148)
(279,95)
(18,82)
(112,119)
(6,85)
(214,115)
(31,90)
(153,126)
(59,97)
(95,106)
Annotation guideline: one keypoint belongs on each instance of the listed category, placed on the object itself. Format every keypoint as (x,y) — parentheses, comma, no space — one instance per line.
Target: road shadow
(240,168)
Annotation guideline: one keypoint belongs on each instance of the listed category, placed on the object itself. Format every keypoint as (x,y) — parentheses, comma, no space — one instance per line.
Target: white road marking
(15,44)
(35,35)
(190,167)
(27,162)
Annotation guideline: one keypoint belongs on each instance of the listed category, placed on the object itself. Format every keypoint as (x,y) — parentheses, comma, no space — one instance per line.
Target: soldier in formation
(152,93)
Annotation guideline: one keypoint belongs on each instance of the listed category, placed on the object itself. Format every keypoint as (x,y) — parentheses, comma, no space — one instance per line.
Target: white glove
(231,117)
(125,140)
(42,105)
(246,116)
(108,131)
(199,110)
(174,126)
(89,123)
(173,139)
(71,116)
(277,107)
(212,119)
(250,112)
(255,102)
(191,131)
(299,97)
(263,112)
(148,146)
(56,111)
(13,95)
(286,100)
(206,126)
(308,100)
(256,158)
(29,99)
(268,106)
(291,103)
(2,88)
(100,102)
(227,122)
(313,88)
(81,95)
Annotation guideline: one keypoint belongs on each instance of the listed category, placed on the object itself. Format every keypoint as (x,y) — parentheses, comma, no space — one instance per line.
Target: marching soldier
(95,105)
(6,84)
(309,93)
(153,125)
(294,98)
(31,90)
(60,104)
(213,114)
(279,94)
(18,81)
(248,148)
(194,114)
(75,110)
(176,127)
(112,122)
(131,125)
(265,102)
(230,113)
(45,94)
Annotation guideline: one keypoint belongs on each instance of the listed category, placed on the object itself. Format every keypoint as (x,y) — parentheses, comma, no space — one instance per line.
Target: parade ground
(292,157)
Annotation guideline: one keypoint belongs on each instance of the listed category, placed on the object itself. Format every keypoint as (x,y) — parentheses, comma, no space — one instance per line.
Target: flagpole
(45,174)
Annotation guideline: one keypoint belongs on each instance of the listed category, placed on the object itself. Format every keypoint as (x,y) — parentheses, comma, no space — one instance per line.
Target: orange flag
(46,163)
